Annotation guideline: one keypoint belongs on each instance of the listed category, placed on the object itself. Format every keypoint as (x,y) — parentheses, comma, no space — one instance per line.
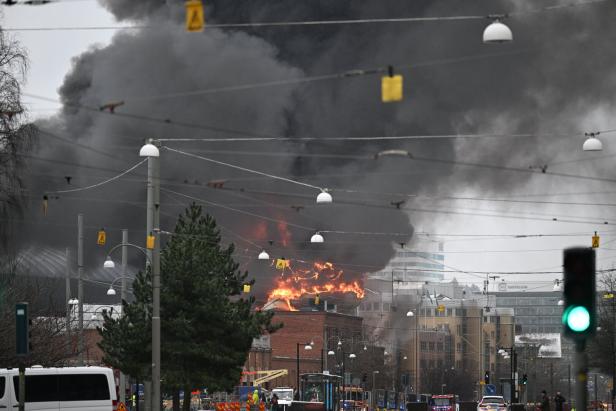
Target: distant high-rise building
(423,262)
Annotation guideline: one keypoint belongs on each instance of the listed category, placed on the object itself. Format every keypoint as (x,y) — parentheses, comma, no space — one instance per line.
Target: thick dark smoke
(562,70)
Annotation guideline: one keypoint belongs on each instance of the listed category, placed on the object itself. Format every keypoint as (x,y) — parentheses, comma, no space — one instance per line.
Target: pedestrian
(559,400)
(545,401)
(274,402)
(255,397)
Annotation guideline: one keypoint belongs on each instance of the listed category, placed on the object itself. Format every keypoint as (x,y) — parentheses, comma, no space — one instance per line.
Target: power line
(109,180)
(248,170)
(309,23)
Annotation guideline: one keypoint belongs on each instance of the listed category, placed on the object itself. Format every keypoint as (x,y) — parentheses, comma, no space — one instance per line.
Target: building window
(424,346)
(439,346)
(386,307)
(431,346)
(423,364)
(449,312)
(439,363)
(459,347)
(459,329)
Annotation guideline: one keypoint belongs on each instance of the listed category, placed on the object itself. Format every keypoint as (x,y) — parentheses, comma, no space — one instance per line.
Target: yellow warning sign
(194,16)
(440,308)
(595,240)
(281,263)
(246,288)
(149,242)
(121,407)
(391,88)
(101,238)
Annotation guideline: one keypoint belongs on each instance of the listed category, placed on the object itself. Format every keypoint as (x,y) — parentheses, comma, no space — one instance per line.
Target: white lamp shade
(497,32)
(73,301)
(561,302)
(365,348)
(592,144)
(339,343)
(405,358)
(501,351)
(317,238)
(352,356)
(94,317)
(109,263)
(331,352)
(263,255)
(111,291)
(149,150)
(410,314)
(324,198)
(557,286)
(308,347)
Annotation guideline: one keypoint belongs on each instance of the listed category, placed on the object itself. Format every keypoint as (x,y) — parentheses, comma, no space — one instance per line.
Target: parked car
(492,403)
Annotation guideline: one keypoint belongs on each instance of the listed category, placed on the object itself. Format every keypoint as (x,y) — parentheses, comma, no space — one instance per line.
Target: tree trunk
(176,399)
(186,404)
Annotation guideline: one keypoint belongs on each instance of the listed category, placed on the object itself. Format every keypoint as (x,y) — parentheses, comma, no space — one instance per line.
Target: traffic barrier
(421,406)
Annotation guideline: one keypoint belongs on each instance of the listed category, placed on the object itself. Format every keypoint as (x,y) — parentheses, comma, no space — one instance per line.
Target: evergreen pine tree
(207,326)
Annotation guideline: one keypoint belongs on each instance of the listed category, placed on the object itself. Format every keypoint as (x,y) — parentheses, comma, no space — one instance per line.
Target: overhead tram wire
(265,137)
(316,23)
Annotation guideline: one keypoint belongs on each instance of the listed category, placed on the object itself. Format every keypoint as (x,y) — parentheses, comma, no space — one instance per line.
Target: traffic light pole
(581,376)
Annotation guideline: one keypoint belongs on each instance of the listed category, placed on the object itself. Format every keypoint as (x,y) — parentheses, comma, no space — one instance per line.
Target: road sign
(194,15)
(101,238)
(595,240)
(391,88)
(440,308)
(489,389)
(121,407)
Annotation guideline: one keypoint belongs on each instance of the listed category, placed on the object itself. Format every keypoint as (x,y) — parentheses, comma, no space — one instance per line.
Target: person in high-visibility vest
(255,397)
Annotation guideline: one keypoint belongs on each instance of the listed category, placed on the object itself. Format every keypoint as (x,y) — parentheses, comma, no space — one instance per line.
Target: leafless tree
(16,134)
(50,343)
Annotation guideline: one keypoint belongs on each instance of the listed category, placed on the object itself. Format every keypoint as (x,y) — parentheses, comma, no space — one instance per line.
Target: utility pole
(152,153)
(122,299)
(68,306)
(80,286)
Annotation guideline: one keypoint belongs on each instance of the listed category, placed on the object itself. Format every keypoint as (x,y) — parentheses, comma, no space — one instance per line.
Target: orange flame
(322,278)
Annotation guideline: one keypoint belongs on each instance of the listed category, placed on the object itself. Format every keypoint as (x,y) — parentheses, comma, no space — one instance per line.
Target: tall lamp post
(374,373)
(152,153)
(510,353)
(109,264)
(307,347)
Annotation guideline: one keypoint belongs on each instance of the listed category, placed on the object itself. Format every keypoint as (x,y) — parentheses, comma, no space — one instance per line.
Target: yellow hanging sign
(281,264)
(102,237)
(391,88)
(246,288)
(194,16)
(440,308)
(150,241)
(317,299)
(595,240)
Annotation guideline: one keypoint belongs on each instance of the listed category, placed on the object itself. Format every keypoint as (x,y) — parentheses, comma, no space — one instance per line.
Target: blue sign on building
(489,389)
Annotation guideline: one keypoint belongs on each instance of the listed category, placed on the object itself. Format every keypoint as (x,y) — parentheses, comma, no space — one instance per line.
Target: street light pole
(152,153)
(80,285)
(122,299)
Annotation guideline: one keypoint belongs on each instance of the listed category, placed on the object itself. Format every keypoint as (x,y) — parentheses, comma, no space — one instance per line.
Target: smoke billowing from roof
(548,82)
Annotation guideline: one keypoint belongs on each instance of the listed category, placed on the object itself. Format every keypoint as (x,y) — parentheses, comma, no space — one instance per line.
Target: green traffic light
(577,318)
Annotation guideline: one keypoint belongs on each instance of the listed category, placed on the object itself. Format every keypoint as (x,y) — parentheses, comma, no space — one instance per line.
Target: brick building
(324,329)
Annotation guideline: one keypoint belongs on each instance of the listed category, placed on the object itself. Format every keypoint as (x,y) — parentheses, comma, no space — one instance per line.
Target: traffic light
(22,328)
(524,379)
(579,293)
(486,377)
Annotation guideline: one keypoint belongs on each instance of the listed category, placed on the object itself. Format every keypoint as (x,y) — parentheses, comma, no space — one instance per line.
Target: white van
(65,389)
